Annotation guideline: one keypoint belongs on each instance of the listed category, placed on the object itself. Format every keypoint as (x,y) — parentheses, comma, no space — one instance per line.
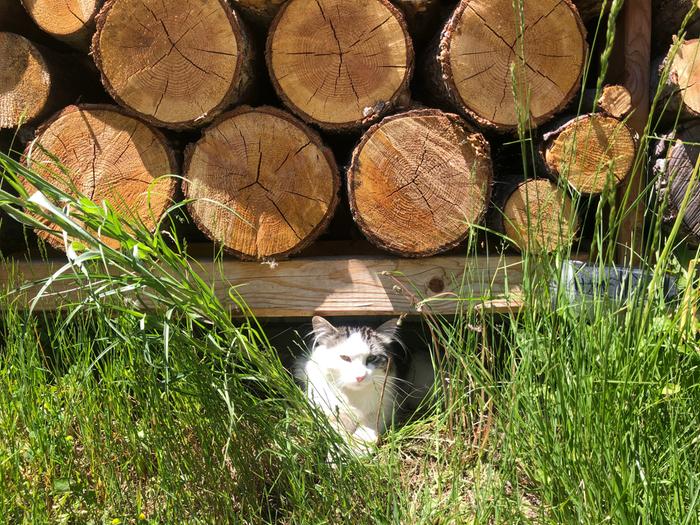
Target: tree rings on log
(493,72)
(71,21)
(681,92)
(340,64)
(175,64)
(590,152)
(25,81)
(538,216)
(418,181)
(676,156)
(261,182)
(106,155)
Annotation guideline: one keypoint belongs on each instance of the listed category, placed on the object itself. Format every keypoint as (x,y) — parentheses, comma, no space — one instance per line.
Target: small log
(590,152)
(680,94)
(106,155)
(261,11)
(339,64)
(477,59)
(534,214)
(667,18)
(273,184)
(614,100)
(71,21)
(418,181)
(675,157)
(175,68)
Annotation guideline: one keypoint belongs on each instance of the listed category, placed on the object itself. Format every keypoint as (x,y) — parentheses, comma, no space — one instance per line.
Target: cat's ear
(388,331)
(322,329)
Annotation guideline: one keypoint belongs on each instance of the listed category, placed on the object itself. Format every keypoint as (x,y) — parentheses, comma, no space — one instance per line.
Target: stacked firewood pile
(285,117)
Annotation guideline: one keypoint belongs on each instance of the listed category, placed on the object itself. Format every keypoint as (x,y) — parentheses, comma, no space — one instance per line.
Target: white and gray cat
(351,374)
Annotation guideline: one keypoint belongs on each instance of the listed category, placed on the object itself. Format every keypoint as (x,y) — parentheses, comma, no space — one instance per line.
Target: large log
(482,59)
(680,94)
(34,81)
(667,18)
(261,182)
(418,181)
(590,152)
(107,156)
(178,66)
(534,214)
(71,21)
(675,158)
(339,64)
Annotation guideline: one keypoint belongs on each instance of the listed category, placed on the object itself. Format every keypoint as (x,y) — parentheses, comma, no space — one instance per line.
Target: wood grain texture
(589,152)
(173,67)
(418,181)
(71,21)
(261,183)
(340,64)
(636,37)
(482,58)
(335,286)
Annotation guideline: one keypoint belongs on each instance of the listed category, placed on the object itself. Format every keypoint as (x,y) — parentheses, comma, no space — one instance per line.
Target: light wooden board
(338,286)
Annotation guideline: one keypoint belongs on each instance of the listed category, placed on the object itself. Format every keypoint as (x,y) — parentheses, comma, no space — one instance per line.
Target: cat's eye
(375,359)
(346,358)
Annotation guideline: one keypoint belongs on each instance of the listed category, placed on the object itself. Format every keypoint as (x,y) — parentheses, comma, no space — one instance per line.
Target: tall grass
(146,401)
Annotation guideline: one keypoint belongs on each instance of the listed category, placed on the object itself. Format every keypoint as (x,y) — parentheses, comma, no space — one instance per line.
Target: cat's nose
(361,378)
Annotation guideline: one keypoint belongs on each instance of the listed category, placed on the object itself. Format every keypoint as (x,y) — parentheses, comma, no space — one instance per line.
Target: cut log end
(174,69)
(71,21)
(535,72)
(418,181)
(591,152)
(684,77)
(616,101)
(107,156)
(539,217)
(25,81)
(262,183)
(339,64)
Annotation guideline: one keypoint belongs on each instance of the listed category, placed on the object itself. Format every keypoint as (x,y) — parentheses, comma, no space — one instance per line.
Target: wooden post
(636,39)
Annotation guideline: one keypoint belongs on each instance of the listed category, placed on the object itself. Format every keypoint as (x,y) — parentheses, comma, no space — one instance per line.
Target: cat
(350,374)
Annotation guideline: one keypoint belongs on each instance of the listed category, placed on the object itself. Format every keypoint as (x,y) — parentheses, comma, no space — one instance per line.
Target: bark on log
(71,21)
(667,18)
(175,68)
(534,214)
(107,156)
(675,157)
(261,11)
(339,64)
(478,58)
(589,9)
(274,183)
(34,81)
(590,152)
(680,94)
(418,181)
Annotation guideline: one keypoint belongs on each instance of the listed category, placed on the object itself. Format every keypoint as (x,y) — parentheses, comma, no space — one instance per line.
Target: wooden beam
(636,42)
(337,286)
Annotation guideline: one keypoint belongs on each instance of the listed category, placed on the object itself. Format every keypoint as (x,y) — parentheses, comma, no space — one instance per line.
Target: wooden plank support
(636,41)
(339,286)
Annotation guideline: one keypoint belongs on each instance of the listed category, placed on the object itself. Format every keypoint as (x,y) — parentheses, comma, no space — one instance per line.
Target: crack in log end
(417,182)
(360,53)
(200,79)
(273,170)
(482,43)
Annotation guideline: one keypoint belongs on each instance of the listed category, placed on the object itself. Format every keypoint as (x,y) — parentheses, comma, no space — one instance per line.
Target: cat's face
(354,358)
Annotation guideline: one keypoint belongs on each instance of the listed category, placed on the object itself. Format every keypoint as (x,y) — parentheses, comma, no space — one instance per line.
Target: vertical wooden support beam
(634,34)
